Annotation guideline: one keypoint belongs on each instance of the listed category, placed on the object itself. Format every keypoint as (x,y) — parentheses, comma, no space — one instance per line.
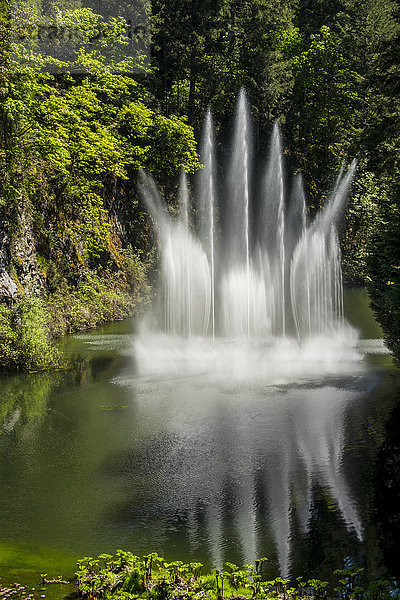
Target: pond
(303,471)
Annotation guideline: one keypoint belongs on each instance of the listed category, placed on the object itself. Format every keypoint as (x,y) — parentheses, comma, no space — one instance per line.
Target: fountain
(251,302)
(248,272)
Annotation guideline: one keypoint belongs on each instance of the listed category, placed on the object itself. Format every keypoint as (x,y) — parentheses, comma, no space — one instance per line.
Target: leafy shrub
(25,337)
(98,299)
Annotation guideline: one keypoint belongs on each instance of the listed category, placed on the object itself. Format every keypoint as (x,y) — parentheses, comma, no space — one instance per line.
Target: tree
(207,51)
(324,100)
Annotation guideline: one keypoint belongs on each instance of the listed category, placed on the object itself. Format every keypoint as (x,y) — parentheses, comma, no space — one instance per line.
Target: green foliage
(324,99)
(129,577)
(100,298)
(8,338)
(384,267)
(68,142)
(205,53)
(31,321)
(69,145)
(24,336)
(363,219)
(348,585)
(173,145)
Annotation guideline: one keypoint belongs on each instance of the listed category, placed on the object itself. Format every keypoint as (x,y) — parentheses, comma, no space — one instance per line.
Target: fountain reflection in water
(253,271)
(237,469)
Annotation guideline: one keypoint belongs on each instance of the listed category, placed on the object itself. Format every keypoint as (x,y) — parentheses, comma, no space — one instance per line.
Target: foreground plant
(127,577)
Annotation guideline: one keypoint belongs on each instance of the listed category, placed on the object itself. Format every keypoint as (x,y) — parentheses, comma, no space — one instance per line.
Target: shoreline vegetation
(124,576)
(29,329)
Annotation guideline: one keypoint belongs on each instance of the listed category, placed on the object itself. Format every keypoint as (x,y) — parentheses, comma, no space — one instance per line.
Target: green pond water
(96,458)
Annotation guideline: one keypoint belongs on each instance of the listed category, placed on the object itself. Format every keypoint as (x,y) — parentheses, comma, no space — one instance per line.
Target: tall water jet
(296,228)
(296,216)
(273,230)
(238,188)
(183,201)
(236,284)
(187,287)
(207,205)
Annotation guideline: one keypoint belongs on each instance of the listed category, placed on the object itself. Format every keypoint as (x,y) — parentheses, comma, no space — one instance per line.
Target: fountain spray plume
(207,205)
(296,215)
(336,203)
(279,280)
(296,225)
(272,315)
(185,273)
(244,302)
(315,274)
(183,201)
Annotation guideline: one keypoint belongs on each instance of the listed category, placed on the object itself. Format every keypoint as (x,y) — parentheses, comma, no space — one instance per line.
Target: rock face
(19,269)
(25,230)
(23,251)
(8,288)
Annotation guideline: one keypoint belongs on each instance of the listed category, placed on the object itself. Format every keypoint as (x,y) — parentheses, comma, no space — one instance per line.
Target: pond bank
(28,329)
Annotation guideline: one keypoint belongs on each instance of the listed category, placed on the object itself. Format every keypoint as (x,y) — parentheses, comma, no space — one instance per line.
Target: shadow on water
(387,486)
